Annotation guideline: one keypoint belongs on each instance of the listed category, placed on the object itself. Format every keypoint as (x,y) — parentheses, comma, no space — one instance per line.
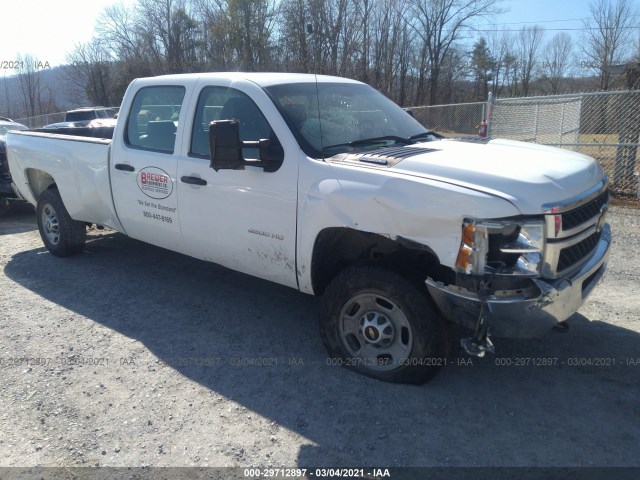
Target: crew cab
(324,185)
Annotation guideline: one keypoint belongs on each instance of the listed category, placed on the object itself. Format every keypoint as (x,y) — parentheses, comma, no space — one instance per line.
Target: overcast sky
(48,30)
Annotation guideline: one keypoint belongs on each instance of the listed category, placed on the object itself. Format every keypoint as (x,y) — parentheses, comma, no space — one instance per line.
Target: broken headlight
(501,247)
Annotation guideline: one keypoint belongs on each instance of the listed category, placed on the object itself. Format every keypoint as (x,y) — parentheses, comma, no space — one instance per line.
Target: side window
(222,103)
(153,118)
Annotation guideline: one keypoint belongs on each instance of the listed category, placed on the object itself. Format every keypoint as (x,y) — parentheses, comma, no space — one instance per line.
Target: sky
(48,30)
(550,14)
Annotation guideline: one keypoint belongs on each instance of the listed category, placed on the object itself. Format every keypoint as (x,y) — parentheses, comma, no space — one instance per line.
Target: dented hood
(525,174)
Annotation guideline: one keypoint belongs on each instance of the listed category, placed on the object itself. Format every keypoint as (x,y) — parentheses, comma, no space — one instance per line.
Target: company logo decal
(155,183)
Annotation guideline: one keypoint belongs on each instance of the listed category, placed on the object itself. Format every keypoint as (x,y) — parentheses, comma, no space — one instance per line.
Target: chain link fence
(603,125)
(40,121)
(546,120)
(452,120)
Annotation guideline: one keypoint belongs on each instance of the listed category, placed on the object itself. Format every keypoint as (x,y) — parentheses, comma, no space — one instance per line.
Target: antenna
(315,73)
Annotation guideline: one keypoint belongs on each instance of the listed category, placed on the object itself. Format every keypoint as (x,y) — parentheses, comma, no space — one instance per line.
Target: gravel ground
(151,358)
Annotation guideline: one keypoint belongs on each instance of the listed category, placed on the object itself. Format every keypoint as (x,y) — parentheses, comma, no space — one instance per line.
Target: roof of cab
(261,79)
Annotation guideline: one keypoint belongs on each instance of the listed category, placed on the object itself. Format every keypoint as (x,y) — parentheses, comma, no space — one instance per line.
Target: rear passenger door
(143,167)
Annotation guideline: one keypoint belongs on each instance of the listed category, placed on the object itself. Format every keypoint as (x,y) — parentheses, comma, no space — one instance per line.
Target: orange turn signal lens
(468,229)
(463,261)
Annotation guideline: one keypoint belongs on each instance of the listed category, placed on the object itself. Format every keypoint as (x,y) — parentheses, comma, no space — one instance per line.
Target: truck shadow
(500,410)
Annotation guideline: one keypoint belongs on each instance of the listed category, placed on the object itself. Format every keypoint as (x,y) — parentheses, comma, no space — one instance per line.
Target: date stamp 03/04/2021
(31,361)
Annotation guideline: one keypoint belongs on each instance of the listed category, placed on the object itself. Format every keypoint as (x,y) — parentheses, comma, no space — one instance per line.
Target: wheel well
(337,248)
(39,181)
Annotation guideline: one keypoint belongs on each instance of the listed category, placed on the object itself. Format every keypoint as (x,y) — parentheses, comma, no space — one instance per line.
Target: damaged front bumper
(529,312)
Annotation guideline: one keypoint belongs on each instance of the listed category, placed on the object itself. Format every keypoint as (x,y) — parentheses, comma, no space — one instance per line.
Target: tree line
(416,52)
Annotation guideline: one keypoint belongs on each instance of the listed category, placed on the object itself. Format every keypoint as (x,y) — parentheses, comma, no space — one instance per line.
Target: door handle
(125,167)
(193,180)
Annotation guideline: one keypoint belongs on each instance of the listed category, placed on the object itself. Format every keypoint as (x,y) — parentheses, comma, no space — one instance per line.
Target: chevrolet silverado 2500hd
(325,185)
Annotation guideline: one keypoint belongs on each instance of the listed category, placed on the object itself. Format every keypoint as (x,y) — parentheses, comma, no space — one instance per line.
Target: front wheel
(62,235)
(382,325)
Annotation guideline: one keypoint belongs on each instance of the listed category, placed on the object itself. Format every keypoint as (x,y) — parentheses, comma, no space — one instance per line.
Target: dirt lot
(130,355)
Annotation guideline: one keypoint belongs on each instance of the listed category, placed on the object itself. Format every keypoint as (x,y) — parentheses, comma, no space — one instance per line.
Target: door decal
(155,183)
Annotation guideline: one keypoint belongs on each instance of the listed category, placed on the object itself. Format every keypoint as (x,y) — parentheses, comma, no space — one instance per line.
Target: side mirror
(225,145)
(410,112)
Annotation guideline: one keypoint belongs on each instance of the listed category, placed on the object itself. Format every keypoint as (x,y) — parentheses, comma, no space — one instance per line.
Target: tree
(558,54)
(367,7)
(528,46)
(168,34)
(30,84)
(482,65)
(250,25)
(499,45)
(511,73)
(294,42)
(390,49)
(123,41)
(607,36)
(7,97)
(116,27)
(454,76)
(90,71)
(438,24)
(214,49)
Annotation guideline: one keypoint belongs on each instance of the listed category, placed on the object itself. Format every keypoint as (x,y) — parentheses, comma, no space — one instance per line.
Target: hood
(525,174)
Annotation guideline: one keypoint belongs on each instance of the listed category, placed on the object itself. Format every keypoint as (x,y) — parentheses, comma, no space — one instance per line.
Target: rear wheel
(62,235)
(382,325)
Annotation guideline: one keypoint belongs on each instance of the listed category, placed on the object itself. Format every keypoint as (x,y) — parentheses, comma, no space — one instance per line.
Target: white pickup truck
(325,185)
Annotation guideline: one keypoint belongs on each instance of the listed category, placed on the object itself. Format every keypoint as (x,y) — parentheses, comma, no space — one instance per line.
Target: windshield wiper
(426,134)
(371,141)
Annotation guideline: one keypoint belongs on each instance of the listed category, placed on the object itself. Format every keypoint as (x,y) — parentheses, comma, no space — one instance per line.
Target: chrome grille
(571,256)
(586,212)
(574,230)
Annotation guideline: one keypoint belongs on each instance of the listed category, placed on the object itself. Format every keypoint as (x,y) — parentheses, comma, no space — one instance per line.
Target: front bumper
(530,312)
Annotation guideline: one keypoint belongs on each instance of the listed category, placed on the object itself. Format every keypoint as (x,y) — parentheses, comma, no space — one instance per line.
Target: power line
(583,19)
(501,30)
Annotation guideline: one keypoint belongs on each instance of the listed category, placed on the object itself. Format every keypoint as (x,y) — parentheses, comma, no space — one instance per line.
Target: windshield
(352,117)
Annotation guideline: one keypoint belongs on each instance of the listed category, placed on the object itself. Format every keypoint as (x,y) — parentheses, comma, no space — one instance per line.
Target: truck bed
(77,164)
(93,132)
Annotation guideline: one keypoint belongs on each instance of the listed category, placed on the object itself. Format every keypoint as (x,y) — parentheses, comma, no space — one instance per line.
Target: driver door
(241,219)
